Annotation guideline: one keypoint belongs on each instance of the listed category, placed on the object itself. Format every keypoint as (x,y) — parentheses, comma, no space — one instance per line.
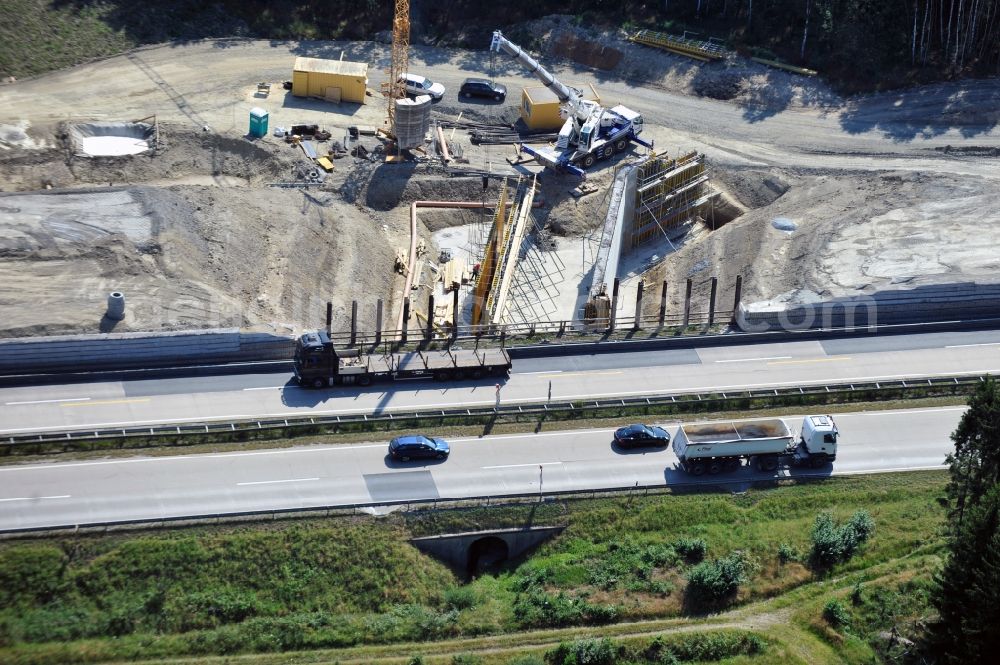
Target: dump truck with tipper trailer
(722,446)
(318,363)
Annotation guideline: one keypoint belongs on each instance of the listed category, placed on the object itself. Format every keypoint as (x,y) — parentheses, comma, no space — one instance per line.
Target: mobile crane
(591,132)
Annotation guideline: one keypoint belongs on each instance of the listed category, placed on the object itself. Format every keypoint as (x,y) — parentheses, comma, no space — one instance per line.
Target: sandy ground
(886,189)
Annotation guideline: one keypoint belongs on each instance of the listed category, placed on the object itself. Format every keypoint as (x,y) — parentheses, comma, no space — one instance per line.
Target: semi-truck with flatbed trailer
(319,363)
(723,446)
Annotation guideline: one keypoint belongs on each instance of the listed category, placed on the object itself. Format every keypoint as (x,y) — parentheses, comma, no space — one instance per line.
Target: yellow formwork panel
(669,192)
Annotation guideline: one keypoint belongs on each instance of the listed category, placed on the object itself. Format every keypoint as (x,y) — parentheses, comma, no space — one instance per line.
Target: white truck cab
(819,435)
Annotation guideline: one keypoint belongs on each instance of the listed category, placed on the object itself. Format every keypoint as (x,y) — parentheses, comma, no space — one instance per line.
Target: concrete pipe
(116,306)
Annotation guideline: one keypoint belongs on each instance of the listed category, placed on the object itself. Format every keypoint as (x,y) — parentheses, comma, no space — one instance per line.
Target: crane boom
(565,93)
(590,132)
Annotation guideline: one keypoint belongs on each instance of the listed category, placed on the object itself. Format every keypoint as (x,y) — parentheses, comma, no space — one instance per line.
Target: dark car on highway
(634,436)
(482,88)
(418,446)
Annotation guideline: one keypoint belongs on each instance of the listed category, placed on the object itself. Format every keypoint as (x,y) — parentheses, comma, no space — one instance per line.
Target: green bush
(31,574)
(717,645)
(787,553)
(833,544)
(692,549)
(630,564)
(466,659)
(712,582)
(204,609)
(529,659)
(460,598)
(836,614)
(584,652)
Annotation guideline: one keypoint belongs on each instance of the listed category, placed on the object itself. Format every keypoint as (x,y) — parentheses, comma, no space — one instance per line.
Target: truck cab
(314,359)
(819,436)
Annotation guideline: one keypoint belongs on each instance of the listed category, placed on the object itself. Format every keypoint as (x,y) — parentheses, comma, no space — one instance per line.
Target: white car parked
(418,85)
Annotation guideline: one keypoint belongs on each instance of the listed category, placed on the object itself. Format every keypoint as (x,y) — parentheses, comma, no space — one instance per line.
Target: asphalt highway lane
(141,488)
(625,374)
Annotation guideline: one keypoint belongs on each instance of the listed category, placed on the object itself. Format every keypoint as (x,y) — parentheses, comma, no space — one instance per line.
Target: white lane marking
(272,482)
(899,412)
(548,371)
(268,388)
(50,401)
(511,466)
(963,346)
(30,498)
(747,360)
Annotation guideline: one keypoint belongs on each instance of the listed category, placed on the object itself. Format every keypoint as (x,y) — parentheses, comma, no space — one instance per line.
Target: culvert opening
(487,555)
(111,139)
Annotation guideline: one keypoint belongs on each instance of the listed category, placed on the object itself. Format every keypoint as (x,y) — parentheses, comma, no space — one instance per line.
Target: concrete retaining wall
(131,350)
(938,302)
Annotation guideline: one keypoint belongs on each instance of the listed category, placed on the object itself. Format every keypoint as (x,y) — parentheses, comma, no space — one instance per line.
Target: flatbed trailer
(318,363)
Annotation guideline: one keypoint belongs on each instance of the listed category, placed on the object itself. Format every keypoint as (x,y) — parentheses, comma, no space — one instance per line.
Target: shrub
(584,652)
(717,580)
(856,596)
(692,549)
(460,598)
(466,659)
(630,564)
(659,652)
(833,544)
(716,645)
(787,553)
(835,614)
(527,660)
(31,574)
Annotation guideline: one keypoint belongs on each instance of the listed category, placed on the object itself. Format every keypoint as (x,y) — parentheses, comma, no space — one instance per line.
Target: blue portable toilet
(258,122)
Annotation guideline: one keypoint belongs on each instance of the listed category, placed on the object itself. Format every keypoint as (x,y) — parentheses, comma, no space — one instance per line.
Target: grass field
(357,587)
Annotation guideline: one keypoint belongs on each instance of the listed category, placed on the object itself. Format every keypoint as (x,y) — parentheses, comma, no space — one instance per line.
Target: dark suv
(482,88)
(418,446)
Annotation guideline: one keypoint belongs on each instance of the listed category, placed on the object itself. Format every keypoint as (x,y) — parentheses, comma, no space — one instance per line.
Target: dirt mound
(180,153)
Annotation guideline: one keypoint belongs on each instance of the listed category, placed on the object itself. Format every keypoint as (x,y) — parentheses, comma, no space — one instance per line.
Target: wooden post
(687,303)
(736,298)
(613,314)
(430,317)
(711,301)
(329,316)
(638,306)
(406,319)
(663,304)
(454,314)
(354,322)
(378,322)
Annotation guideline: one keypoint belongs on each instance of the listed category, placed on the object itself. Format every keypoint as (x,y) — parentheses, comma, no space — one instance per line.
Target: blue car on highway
(418,446)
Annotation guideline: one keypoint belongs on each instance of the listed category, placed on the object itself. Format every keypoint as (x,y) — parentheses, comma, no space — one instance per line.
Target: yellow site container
(334,80)
(540,106)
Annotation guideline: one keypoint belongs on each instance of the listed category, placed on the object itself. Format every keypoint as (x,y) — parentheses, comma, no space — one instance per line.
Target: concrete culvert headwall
(111,139)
